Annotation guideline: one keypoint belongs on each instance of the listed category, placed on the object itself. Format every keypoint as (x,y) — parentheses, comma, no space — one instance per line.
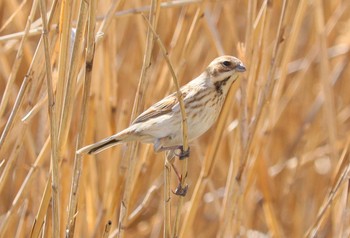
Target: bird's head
(224,67)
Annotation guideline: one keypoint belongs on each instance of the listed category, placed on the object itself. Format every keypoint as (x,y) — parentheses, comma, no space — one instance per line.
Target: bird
(160,124)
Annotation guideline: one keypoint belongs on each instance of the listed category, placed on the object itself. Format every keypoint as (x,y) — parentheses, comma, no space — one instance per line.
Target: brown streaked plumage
(161,123)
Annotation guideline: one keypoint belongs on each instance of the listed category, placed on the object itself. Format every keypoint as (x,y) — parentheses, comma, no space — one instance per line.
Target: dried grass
(275,164)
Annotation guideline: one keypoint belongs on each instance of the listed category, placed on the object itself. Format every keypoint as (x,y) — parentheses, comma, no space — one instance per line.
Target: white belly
(199,121)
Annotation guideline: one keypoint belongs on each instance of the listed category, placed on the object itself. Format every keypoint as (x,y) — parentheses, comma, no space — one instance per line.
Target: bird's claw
(183,154)
(181,191)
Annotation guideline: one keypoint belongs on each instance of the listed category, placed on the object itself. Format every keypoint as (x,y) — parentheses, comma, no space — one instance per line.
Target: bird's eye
(226,63)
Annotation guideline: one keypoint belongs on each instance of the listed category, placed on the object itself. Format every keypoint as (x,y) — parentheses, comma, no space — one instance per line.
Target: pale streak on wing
(160,108)
(166,105)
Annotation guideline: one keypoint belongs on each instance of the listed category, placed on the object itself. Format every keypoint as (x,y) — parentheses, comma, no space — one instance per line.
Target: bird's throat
(220,84)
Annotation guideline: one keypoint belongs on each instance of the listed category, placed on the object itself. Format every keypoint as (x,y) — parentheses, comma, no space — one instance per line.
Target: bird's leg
(170,157)
(179,190)
(182,191)
(178,175)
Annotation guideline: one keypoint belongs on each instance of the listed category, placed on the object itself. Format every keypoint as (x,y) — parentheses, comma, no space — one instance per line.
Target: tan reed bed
(276,164)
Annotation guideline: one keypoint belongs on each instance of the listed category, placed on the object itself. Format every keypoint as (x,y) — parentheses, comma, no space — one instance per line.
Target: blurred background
(276,164)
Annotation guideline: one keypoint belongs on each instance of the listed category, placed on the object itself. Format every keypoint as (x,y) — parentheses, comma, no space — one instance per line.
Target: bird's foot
(184,154)
(181,191)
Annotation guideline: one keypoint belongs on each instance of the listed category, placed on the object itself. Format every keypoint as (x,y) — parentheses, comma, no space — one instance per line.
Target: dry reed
(276,164)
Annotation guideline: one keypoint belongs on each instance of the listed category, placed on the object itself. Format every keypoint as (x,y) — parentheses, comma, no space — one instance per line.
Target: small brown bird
(161,123)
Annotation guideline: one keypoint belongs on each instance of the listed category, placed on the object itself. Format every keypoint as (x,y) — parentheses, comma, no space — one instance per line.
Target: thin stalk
(65,31)
(343,174)
(22,92)
(44,204)
(167,196)
(90,52)
(137,108)
(210,157)
(109,17)
(53,127)
(18,60)
(107,229)
(183,125)
(267,91)
(36,63)
(329,106)
(13,16)
(6,173)
(114,14)
(70,86)
(288,53)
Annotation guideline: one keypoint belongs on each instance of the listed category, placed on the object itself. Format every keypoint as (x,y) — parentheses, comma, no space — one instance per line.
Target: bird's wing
(160,108)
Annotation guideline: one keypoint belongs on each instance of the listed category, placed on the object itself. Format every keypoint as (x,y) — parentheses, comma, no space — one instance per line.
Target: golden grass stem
(190,33)
(170,4)
(107,229)
(77,170)
(267,92)
(177,87)
(268,206)
(22,211)
(183,125)
(230,199)
(109,17)
(18,60)
(214,32)
(123,13)
(28,179)
(17,35)
(249,38)
(277,132)
(22,92)
(137,109)
(53,128)
(64,54)
(289,50)
(259,28)
(6,174)
(167,196)
(210,157)
(36,63)
(70,86)
(145,202)
(329,106)
(44,204)
(12,17)
(343,174)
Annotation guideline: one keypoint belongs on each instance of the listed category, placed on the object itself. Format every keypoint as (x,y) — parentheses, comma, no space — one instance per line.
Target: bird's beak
(240,68)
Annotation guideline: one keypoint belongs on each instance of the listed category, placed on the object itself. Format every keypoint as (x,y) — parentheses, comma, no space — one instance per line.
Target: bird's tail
(103,144)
